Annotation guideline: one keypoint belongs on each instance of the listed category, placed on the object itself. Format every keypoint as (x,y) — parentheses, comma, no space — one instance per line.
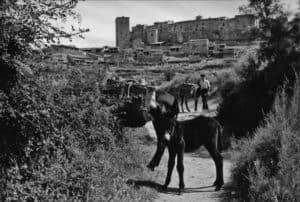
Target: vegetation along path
(199,172)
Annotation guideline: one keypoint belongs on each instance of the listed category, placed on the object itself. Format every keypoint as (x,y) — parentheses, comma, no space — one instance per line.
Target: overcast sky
(99,15)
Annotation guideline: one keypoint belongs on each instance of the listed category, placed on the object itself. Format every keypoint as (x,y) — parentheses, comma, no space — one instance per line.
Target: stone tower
(122,32)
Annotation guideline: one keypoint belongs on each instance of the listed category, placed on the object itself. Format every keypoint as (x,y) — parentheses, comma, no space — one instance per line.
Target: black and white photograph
(150,100)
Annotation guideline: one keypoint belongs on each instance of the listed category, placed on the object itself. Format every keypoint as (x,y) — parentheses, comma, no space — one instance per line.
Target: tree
(264,9)
(30,23)
(277,62)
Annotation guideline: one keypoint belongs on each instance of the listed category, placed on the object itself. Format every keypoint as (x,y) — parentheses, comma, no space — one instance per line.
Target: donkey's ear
(175,108)
(153,103)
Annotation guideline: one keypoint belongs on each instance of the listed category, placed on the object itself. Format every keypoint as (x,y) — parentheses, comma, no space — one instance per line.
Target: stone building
(137,43)
(220,29)
(138,32)
(196,46)
(122,32)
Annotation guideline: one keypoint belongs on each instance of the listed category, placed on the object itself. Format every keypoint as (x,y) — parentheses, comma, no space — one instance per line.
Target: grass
(125,164)
(267,166)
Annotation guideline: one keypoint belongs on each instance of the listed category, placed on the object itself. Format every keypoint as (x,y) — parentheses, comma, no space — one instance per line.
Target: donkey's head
(163,105)
(164,110)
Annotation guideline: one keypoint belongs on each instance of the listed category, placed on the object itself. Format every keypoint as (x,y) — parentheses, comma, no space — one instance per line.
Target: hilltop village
(165,42)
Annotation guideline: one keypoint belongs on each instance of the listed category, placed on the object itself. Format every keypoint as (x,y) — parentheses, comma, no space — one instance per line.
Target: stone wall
(213,29)
(138,32)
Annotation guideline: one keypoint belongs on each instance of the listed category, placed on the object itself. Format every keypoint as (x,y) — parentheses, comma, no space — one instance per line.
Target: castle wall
(138,32)
(213,29)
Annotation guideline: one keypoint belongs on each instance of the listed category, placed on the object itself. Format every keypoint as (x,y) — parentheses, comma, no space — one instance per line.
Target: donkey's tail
(220,129)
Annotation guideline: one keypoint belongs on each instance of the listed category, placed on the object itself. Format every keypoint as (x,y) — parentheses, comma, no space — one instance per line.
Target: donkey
(184,136)
(177,136)
(185,92)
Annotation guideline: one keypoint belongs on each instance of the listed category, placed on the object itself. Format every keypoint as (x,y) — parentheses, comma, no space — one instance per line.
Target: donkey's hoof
(216,183)
(150,167)
(218,187)
(181,188)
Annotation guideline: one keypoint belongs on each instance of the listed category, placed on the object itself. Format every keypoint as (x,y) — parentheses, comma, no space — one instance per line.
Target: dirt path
(199,172)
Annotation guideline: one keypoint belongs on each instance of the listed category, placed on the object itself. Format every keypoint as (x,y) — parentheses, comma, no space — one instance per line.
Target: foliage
(267,166)
(31,23)
(59,140)
(265,10)
(27,25)
(23,108)
(277,60)
(69,146)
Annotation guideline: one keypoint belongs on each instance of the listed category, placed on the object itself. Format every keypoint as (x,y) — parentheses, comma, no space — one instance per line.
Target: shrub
(60,142)
(58,139)
(267,167)
(169,74)
(277,61)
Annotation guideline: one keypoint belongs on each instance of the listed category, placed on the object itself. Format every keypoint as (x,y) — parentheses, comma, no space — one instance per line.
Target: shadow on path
(169,190)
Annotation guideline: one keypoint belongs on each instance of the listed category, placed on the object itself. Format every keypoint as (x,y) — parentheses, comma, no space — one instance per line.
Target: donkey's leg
(121,92)
(186,104)
(196,103)
(157,156)
(180,166)
(171,162)
(181,103)
(218,159)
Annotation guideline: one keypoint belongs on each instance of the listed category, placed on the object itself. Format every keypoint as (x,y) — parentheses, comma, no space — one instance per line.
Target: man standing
(204,88)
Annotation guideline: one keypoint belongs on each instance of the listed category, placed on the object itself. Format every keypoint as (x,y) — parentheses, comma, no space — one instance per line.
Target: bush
(58,139)
(267,167)
(277,61)
(169,74)
(60,142)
